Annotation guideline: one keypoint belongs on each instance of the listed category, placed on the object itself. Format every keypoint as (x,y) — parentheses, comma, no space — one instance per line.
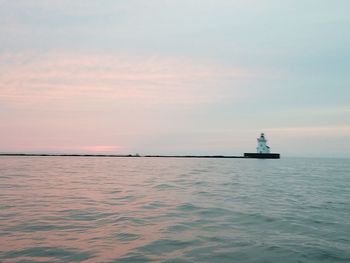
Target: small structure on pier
(262,147)
(262,150)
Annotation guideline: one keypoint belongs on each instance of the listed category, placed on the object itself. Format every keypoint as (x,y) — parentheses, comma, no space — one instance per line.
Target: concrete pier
(262,155)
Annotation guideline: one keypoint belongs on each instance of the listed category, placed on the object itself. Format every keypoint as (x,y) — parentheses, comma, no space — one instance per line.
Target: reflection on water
(68,209)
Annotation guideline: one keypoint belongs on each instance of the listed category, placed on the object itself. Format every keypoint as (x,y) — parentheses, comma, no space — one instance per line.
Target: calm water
(63,209)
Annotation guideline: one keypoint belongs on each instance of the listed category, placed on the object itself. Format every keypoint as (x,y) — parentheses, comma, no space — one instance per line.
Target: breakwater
(259,156)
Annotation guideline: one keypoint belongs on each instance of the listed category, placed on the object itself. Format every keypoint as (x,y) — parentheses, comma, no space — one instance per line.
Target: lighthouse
(262,147)
(262,150)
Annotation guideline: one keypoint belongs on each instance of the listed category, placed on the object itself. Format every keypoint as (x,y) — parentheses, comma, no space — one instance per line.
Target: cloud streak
(35,77)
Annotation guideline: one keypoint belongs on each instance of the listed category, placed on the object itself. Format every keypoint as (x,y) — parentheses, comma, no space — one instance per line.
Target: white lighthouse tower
(262,147)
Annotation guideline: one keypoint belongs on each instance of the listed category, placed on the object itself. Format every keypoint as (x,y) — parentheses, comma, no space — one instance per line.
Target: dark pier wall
(262,155)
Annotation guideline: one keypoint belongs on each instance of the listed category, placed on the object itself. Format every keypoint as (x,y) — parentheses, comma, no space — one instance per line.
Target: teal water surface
(75,209)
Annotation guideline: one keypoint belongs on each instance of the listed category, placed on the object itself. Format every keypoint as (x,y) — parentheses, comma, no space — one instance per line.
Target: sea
(94,209)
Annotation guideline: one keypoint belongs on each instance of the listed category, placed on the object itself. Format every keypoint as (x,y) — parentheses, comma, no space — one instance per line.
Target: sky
(175,76)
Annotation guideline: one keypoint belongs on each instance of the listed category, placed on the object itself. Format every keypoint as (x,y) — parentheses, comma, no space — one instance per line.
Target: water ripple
(56,209)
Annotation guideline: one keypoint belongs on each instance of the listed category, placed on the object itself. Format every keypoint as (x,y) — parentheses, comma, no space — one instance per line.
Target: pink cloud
(28,77)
